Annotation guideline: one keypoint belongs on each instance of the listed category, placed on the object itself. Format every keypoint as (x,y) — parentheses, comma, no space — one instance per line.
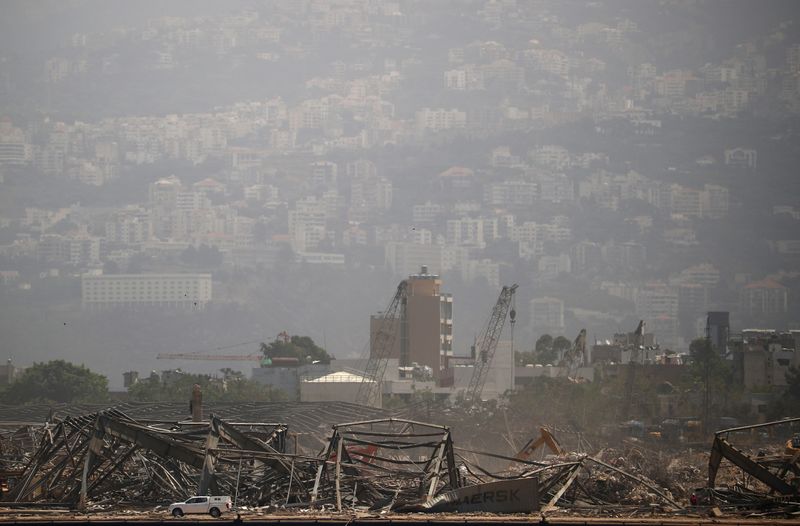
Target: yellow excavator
(545,438)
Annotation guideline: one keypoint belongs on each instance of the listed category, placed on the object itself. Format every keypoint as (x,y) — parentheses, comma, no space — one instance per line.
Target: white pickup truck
(212,505)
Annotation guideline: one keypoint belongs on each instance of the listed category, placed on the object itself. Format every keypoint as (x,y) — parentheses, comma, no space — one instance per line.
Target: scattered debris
(138,460)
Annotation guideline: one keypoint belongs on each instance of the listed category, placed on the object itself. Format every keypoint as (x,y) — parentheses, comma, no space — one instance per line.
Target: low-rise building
(763,357)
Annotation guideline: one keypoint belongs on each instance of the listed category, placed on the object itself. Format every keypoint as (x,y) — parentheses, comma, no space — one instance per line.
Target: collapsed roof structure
(141,455)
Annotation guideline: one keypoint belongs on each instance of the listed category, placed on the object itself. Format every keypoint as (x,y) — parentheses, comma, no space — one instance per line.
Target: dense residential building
(583,175)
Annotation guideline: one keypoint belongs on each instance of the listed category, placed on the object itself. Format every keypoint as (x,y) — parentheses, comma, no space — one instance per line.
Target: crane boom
(488,343)
(369,388)
(217,357)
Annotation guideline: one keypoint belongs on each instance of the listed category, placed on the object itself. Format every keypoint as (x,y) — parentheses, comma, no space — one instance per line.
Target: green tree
(524,357)
(57,381)
(793,383)
(301,347)
(544,343)
(713,375)
(560,345)
(544,350)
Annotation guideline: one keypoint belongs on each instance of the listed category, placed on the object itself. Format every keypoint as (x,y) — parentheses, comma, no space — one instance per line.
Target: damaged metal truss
(402,465)
(574,481)
(385,464)
(779,471)
(763,479)
(110,457)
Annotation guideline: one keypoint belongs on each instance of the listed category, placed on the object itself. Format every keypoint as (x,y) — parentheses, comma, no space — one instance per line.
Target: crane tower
(488,342)
(369,390)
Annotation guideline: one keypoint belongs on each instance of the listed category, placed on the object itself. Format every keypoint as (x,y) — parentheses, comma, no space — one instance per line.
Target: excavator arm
(545,438)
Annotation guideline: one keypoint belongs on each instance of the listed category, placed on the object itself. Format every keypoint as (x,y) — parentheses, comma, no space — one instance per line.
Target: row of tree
(707,375)
(546,351)
(59,381)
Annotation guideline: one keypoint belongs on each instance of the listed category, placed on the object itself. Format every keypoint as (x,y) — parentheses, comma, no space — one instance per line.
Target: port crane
(575,357)
(392,319)
(487,344)
(630,377)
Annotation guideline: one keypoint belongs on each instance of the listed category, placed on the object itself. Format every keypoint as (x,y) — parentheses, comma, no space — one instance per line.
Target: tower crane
(630,377)
(487,344)
(369,389)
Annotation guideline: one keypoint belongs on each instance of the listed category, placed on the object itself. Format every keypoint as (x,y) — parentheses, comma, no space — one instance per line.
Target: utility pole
(707,350)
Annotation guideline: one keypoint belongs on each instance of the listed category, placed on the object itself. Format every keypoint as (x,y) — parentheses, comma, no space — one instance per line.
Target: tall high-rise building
(424,327)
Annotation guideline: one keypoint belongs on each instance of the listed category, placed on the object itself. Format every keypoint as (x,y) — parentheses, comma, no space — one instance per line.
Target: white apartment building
(436,119)
(553,156)
(455,79)
(531,231)
(742,157)
(511,193)
(308,222)
(466,231)
(371,191)
(557,188)
(190,291)
(426,213)
(323,173)
(14,148)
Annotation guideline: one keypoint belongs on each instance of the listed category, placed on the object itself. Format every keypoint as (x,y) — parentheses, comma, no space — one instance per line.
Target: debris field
(335,457)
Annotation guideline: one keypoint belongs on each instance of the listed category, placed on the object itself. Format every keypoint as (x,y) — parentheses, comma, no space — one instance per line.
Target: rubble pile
(112,459)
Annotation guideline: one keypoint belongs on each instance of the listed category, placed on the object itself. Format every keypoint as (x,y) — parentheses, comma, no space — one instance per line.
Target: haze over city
(294,160)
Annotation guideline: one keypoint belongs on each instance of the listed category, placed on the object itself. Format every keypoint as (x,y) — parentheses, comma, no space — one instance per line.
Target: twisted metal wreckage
(385,464)
(108,458)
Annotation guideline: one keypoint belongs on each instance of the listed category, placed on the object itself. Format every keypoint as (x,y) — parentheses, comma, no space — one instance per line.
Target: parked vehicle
(213,505)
